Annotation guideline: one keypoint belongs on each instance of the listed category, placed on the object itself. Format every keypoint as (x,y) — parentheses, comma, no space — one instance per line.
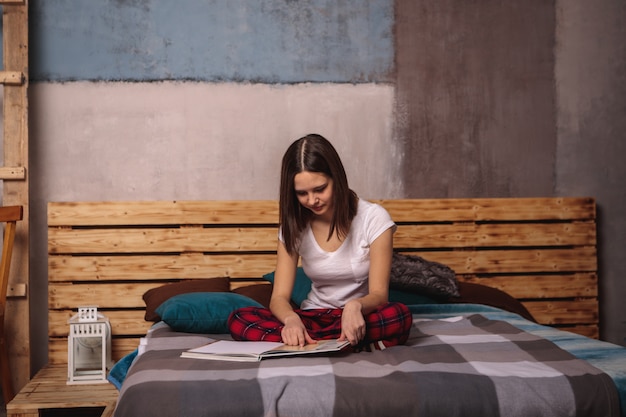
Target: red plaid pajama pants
(389,324)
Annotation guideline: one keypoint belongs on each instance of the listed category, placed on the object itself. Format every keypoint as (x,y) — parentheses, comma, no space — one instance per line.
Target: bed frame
(541,251)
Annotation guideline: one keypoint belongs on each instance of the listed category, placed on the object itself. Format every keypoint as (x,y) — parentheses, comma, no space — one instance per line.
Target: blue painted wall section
(268,41)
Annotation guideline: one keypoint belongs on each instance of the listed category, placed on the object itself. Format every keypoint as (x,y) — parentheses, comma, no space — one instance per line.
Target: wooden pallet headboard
(542,251)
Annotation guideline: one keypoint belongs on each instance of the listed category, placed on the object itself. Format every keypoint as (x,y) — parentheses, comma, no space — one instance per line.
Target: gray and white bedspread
(459,366)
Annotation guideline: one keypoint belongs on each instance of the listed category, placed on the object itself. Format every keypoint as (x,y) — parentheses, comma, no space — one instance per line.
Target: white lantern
(89,347)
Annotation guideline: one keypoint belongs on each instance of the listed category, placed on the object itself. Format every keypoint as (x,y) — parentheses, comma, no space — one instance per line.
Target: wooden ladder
(13,174)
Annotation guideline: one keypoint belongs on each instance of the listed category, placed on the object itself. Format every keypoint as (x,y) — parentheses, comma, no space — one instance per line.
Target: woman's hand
(294,333)
(352,323)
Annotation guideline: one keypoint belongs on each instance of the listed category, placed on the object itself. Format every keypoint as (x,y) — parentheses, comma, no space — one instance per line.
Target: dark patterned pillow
(416,274)
(261,293)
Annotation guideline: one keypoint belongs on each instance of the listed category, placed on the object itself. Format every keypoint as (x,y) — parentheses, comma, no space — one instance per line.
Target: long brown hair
(313,153)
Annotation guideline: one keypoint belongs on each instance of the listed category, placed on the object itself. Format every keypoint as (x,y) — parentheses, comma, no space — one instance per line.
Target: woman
(345,245)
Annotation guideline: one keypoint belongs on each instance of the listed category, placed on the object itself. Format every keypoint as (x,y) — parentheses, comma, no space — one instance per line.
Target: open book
(229,350)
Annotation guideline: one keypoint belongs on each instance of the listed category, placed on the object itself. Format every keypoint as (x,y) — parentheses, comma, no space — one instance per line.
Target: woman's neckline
(326,247)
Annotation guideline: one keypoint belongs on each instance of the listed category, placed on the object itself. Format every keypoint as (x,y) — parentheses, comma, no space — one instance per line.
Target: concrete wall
(499,98)
(591,134)
(179,141)
(273,41)
(154,99)
(476,81)
(196,99)
(186,141)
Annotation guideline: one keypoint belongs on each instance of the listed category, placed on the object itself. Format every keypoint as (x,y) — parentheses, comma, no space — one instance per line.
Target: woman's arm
(294,333)
(352,320)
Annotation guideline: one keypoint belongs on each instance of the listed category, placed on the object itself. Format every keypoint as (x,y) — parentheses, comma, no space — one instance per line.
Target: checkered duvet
(466,365)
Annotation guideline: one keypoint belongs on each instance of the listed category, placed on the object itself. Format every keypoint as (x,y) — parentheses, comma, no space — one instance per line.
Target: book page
(320,346)
(231,347)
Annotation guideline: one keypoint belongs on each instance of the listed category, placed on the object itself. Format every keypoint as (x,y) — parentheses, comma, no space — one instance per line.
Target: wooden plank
(109,410)
(592,331)
(107,268)
(266,211)
(12,77)
(12,173)
(11,213)
(63,240)
(16,290)
(465,235)
(166,267)
(148,240)
(234,284)
(54,394)
(564,312)
(103,295)
(49,390)
(162,212)
(94,268)
(542,286)
(16,154)
(265,239)
(516,261)
(489,209)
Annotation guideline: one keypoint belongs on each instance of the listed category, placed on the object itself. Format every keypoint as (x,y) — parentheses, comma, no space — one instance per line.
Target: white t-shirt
(340,276)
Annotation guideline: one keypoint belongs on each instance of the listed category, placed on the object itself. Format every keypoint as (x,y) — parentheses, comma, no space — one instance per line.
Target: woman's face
(315,192)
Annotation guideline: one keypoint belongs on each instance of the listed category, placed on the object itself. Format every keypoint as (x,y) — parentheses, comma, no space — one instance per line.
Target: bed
(519,336)
(461,360)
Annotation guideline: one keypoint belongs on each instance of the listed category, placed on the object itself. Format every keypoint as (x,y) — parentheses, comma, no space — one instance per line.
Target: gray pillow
(415,274)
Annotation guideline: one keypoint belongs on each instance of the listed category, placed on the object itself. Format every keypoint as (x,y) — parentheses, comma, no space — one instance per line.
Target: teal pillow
(202,312)
(301,287)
